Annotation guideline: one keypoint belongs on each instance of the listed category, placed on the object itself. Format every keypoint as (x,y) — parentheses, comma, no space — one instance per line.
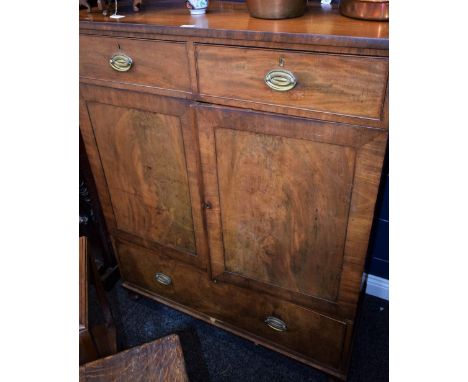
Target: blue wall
(378,246)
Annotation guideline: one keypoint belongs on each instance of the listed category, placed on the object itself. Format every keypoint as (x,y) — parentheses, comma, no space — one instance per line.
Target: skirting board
(377,286)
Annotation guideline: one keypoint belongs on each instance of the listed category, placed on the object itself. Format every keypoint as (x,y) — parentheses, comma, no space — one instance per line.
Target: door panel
(291,203)
(148,172)
(290,225)
(144,163)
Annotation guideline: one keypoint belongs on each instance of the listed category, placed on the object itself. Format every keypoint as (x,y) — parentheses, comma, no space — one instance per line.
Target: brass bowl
(365,9)
(276,9)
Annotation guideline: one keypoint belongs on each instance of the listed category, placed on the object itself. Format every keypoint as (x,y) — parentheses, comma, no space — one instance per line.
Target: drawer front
(154,63)
(307,333)
(353,86)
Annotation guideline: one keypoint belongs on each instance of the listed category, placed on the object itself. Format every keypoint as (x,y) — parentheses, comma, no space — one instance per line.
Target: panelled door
(289,203)
(146,163)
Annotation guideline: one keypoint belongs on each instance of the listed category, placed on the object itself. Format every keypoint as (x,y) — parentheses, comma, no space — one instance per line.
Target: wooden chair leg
(88,351)
(105,339)
(104,335)
(100,340)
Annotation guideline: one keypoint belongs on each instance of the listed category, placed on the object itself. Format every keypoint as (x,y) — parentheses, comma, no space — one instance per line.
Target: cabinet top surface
(228,19)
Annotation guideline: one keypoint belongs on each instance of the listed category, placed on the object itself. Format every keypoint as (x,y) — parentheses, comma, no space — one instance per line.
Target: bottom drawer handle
(276,324)
(163,279)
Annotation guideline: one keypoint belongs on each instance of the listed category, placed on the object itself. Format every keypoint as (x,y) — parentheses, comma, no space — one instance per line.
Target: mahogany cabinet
(237,162)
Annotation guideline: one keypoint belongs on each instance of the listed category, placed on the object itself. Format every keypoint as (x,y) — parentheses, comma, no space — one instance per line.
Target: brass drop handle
(163,279)
(276,324)
(121,62)
(280,80)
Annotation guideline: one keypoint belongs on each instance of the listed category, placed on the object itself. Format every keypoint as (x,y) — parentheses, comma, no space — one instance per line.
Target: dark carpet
(214,355)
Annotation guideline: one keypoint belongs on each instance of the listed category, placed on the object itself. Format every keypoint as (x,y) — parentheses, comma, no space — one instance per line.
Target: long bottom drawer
(283,324)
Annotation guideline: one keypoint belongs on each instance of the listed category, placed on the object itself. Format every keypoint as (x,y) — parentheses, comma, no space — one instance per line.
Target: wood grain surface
(316,336)
(256,203)
(230,20)
(353,86)
(284,208)
(348,85)
(158,109)
(144,163)
(267,182)
(158,361)
(168,60)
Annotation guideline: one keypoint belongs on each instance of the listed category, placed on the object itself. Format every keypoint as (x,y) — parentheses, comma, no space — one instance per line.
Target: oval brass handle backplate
(276,324)
(121,62)
(163,279)
(280,80)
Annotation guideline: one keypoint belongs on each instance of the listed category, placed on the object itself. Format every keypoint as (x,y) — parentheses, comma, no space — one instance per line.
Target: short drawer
(346,85)
(157,64)
(305,332)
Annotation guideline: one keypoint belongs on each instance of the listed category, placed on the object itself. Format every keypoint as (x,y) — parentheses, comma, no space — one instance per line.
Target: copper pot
(365,9)
(276,9)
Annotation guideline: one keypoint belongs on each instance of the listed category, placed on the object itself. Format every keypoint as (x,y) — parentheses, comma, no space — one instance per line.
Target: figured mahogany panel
(347,85)
(284,209)
(143,157)
(157,361)
(291,203)
(317,337)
